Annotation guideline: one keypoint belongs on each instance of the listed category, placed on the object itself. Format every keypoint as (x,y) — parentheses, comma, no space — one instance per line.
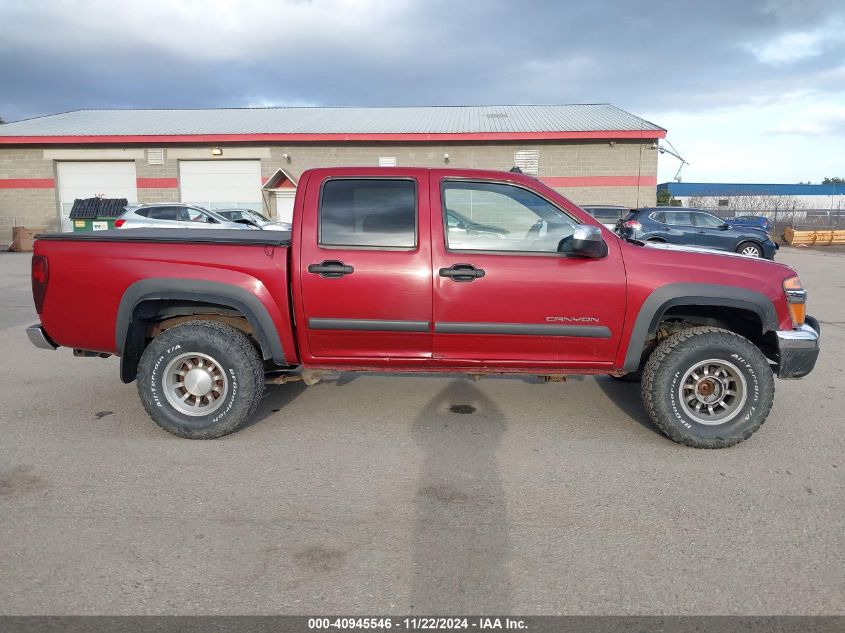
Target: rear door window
(369,213)
(678,218)
(164,213)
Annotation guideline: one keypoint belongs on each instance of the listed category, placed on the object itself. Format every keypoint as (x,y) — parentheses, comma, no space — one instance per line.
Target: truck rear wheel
(707,387)
(200,380)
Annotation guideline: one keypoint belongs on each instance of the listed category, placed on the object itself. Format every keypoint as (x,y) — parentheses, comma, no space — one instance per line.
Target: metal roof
(347,120)
(685,189)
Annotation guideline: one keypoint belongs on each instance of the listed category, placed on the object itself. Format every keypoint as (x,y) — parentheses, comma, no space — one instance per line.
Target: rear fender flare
(162,289)
(693,294)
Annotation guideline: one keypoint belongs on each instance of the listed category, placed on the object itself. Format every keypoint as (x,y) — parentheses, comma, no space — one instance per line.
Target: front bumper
(38,337)
(798,350)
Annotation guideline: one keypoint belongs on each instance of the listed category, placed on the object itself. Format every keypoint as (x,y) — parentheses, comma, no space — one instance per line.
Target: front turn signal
(796,299)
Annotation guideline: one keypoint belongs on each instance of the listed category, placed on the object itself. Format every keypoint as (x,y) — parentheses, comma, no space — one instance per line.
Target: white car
(248,215)
(174,215)
(608,215)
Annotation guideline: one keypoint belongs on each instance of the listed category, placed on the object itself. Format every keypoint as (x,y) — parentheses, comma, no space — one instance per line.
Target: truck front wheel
(707,387)
(200,380)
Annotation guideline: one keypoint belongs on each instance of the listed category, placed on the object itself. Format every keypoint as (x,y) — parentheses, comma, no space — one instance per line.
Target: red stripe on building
(600,181)
(316,138)
(157,183)
(27,183)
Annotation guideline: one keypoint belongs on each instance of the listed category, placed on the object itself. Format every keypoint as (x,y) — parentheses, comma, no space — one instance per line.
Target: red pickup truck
(424,270)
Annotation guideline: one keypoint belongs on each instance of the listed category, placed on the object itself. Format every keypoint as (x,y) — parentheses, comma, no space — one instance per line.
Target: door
(87,179)
(365,267)
(710,232)
(677,227)
(221,184)
(502,292)
(284,205)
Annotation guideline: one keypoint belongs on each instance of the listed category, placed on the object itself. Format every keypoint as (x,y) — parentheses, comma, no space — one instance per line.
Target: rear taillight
(119,223)
(40,275)
(632,224)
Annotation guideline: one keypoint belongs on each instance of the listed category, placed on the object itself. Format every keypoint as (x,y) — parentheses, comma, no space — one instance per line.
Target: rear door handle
(462,272)
(330,269)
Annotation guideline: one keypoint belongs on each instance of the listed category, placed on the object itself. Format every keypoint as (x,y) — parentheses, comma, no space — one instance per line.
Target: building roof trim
(408,124)
(337,138)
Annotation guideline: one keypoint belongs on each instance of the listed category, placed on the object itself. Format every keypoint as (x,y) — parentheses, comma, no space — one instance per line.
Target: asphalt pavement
(393,495)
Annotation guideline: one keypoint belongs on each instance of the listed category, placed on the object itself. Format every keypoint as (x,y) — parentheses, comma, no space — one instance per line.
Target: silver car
(248,215)
(174,215)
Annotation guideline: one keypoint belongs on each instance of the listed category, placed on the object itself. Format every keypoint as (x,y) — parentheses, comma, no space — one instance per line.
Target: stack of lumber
(813,237)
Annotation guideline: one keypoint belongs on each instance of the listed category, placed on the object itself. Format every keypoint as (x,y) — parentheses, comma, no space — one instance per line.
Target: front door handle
(330,269)
(462,272)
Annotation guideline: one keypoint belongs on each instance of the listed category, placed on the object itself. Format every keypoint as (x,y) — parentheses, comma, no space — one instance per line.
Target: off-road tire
(237,359)
(745,245)
(675,355)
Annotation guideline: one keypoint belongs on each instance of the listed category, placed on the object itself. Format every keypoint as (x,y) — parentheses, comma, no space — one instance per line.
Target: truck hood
(693,249)
(715,260)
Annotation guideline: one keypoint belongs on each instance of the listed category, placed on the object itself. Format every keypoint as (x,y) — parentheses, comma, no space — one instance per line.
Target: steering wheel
(534,232)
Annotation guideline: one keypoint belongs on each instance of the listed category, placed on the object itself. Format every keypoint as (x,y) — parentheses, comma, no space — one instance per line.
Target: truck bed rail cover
(185,236)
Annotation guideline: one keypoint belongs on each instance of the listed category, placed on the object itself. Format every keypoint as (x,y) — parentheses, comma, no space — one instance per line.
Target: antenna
(673,152)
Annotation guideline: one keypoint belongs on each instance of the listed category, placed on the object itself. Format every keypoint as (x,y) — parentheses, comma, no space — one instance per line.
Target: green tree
(664,198)
(836,180)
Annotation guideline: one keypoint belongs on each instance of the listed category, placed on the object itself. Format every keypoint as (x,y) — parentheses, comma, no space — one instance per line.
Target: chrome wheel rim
(713,392)
(195,384)
(751,250)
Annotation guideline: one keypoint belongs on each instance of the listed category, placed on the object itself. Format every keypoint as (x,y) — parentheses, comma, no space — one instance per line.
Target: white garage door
(89,180)
(221,184)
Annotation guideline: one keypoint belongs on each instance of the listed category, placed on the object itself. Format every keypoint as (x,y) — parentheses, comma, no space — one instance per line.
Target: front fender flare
(693,294)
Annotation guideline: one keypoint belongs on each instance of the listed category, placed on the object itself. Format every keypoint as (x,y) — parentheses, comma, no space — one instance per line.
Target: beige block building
(593,154)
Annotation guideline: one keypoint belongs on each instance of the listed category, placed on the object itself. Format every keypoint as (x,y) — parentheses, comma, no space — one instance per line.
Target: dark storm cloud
(643,56)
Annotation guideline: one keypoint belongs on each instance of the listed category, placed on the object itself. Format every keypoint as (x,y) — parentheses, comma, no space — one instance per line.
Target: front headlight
(796,299)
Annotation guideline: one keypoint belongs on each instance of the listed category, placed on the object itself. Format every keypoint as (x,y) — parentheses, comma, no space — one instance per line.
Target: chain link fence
(799,219)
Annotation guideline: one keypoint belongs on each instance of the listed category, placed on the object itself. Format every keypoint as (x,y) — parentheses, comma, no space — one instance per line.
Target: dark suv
(697,228)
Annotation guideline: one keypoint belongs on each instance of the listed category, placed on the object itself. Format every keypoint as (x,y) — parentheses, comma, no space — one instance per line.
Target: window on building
(490,216)
(528,160)
(723,202)
(387,161)
(369,213)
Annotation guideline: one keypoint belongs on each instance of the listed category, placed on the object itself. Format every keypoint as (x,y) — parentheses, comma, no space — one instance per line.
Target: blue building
(713,195)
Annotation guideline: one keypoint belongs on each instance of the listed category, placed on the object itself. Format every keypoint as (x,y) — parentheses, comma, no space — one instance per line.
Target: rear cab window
(368,213)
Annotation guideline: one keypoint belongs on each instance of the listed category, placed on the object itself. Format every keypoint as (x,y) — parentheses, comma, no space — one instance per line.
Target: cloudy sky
(750,90)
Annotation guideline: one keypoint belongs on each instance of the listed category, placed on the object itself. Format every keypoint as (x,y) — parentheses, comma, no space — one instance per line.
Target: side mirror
(585,241)
(725,226)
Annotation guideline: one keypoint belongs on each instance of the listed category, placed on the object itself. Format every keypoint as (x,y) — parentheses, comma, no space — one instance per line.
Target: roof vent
(155,157)
(528,160)
(497,115)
